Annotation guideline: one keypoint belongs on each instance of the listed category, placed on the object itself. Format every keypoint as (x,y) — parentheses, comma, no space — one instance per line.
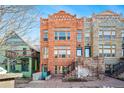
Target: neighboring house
(19,56)
(104,32)
(107,36)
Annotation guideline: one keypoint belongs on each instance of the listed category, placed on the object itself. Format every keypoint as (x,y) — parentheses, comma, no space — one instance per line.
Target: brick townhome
(61,42)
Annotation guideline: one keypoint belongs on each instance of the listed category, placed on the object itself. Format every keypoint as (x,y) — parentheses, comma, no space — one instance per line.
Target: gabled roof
(23,41)
(108,12)
(13,35)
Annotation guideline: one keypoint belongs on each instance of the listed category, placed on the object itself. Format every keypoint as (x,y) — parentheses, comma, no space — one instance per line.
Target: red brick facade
(67,22)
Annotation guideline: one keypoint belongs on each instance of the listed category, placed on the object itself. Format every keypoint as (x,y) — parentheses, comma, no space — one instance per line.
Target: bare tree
(19,19)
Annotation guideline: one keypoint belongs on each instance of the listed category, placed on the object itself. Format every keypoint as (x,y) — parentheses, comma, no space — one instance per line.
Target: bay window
(61,51)
(62,35)
(107,50)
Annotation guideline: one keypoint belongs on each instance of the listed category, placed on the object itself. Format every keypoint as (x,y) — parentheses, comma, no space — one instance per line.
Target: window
(87,36)
(62,35)
(100,45)
(45,37)
(122,34)
(100,35)
(61,51)
(25,65)
(122,38)
(122,51)
(68,35)
(113,35)
(79,52)
(24,51)
(107,35)
(68,53)
(79,36)
(107,52)
(56,36)
(45,52)
(113,45)
(100,52)
(113,52)
(55,53)
(122,45)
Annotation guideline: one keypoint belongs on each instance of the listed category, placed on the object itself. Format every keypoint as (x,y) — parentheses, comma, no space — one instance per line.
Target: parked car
(2,71)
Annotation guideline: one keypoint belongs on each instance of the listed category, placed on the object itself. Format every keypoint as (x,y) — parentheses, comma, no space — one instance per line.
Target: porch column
(30,65)
(8,65)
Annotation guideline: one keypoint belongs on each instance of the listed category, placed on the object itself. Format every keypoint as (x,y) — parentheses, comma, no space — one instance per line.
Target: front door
(58,69)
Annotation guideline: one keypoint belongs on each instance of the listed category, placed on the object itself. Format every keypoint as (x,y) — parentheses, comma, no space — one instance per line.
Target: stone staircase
(115,70)
(72,74)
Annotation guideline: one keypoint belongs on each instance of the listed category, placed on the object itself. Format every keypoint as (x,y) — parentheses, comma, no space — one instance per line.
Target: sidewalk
(57,83)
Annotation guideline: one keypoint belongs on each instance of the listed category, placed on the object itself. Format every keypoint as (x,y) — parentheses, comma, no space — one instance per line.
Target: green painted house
(17,56)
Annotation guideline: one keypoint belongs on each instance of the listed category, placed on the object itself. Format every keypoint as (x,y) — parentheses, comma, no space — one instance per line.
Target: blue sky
(79,10)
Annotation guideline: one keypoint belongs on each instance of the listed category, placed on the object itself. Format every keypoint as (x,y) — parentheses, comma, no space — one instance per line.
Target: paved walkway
(57,83)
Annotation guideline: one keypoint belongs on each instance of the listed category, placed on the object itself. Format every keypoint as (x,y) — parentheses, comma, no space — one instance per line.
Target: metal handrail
(116,69)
